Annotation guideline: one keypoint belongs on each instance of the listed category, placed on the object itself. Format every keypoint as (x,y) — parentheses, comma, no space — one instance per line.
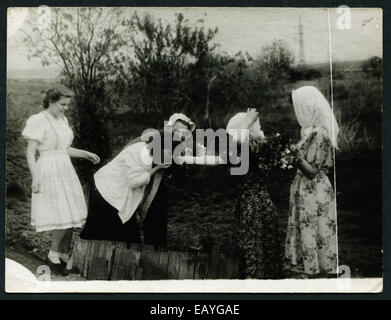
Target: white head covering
(180,116)
(312,109)
(238,127)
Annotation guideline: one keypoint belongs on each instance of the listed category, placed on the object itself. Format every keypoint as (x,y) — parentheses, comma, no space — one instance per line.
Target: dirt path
(31,262)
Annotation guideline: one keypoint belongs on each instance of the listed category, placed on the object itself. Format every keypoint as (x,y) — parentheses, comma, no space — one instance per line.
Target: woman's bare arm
(79,153)
(308,170)
(31,151)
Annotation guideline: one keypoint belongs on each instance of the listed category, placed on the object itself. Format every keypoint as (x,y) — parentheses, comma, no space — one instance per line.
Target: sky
(248,30)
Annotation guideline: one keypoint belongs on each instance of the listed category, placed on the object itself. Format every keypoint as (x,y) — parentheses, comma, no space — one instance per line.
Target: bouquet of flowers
(276,153)
(200,149)
(289,157)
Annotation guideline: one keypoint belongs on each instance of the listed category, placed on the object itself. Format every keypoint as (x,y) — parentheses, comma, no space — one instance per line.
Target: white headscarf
(239,128)
(312,109)
(180,116)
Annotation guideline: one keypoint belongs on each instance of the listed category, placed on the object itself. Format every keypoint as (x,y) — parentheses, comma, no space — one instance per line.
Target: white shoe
(70,264)
(54,257)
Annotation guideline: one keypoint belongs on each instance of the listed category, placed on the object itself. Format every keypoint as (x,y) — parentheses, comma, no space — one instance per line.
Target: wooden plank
(163,262)
(139,273)
(187,263)
(181,265)
(79,255)
(201,266)
(125,262)
(154,263)
(108,260)
(172,265)
(232,268)
(101,260)
(216,267)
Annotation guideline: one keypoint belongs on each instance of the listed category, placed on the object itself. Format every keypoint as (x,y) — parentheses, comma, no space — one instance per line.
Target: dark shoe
(57,267)
(65,272)
(63,263)
(75,270)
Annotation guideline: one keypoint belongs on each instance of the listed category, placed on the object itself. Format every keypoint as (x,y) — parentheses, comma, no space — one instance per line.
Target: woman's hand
(36,186)
(309,171)
(163,166)
(92,157)
(158,167)
(79,153)
(251,117)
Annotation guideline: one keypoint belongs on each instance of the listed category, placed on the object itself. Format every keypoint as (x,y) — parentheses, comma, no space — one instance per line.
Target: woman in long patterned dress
(311,242)
(258,237)
(57,203)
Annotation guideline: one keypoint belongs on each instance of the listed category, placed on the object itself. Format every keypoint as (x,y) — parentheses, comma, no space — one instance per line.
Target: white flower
(188,151)
(201,149)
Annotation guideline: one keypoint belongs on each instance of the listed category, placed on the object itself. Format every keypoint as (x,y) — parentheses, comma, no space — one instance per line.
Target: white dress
(61,203)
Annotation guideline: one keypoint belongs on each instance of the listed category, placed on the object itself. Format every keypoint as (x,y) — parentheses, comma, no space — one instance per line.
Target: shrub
(373,66)
(304,73)
(15,190)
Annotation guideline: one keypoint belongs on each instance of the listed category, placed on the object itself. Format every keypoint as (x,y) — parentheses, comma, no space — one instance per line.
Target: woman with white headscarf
(258,236)
(129,192)
(311,242)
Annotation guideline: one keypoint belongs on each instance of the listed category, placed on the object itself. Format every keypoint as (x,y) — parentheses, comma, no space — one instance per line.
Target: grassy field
(202,201)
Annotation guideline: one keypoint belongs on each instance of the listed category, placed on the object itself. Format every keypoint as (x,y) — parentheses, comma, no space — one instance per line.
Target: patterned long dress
(259,240)
(311,242)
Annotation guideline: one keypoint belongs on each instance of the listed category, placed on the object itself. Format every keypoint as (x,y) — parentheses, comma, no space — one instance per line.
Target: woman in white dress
(57,203)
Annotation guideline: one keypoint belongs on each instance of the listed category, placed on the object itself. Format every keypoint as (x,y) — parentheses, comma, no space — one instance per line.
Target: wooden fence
(113,260)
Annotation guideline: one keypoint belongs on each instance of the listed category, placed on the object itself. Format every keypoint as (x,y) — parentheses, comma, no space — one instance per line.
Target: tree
(276,61)
(160,73)
(86,43)
(373,66)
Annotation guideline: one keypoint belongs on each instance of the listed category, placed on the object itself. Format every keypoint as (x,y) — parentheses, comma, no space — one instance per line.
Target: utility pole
(301,43)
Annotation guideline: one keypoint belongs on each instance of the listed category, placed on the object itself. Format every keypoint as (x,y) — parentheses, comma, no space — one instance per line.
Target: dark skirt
(103,222)
(259,239)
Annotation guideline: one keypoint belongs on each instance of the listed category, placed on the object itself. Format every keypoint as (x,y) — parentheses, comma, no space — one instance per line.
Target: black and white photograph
(231,149)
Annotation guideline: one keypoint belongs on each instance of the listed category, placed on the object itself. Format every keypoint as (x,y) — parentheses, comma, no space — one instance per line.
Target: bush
(15,190)
(304,73)
(276,60)
(373,66)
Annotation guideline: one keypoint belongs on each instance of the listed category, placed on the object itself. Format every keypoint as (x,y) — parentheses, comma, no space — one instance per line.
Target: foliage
(165,57)
(274,154)
(276,60)
(85,43)
(373,66)
(304,73)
